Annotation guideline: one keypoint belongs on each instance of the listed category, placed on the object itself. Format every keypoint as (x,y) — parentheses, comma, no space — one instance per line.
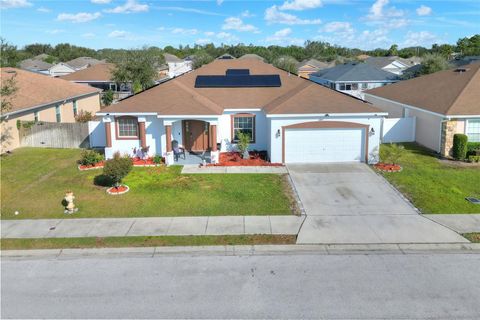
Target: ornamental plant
(243,144)
(90,157)
(117,168)
(392,154)
(459,150)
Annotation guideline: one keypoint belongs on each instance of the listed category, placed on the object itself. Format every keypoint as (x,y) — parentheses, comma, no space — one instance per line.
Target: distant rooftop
(355,71)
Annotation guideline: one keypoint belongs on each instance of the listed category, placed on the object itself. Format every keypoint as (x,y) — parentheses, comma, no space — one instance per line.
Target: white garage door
(324,145)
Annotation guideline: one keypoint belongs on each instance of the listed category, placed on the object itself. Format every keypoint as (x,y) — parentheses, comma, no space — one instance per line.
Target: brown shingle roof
(34,89)
(446,92)
(295,96)
(98,72)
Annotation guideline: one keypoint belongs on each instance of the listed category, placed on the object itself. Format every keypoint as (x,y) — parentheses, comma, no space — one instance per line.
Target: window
(243,123)
(473,130)
(127,127)
(113,87)
(36,116)
(364,86)
(75,109)
(58,113)
(341,86)
(354,86)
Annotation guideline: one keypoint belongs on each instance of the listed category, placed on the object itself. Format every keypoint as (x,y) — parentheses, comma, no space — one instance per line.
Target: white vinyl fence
(398,130)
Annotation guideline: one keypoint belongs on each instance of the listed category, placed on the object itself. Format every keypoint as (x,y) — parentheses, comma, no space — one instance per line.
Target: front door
(195,135)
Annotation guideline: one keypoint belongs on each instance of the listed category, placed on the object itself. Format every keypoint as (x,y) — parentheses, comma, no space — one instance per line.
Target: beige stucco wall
(10,135)
(394,110)
(460,126)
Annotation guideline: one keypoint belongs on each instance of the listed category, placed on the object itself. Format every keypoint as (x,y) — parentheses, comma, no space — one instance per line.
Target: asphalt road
(360,286)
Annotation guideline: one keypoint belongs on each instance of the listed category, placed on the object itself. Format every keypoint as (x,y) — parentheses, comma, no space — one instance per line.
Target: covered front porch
(193,158)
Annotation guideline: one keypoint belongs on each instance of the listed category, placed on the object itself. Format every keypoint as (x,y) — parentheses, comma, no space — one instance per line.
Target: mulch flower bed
(137,162)
(230,159)
(118,190)
(388,167)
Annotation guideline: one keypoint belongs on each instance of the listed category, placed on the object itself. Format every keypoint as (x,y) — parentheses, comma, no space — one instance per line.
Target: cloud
(190,10)
(203,41)
(8,4)
(184,31)
(380,11)
(131,6)
(120,34)
(226,37)
(209,33)
(55,31)
(44,10)
(100,1)
(338,26)
(78,17)
(219,2)
(424,10)
(233,23)
(272,15)
(299,5)
(247,14)
(422,38)
(88,35)
(283,37)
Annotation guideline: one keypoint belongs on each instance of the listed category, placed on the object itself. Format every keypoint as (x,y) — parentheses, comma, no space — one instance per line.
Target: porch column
(108,134)
(213,131)
(141,129)
(168,133)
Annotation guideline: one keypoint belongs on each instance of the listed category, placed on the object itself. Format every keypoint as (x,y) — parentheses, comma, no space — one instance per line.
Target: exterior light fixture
(278,133)
(372,132)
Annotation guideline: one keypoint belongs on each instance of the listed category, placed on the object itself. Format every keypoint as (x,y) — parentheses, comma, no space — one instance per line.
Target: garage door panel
(324,145)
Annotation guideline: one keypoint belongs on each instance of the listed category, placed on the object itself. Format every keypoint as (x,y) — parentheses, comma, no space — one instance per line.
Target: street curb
(260,250)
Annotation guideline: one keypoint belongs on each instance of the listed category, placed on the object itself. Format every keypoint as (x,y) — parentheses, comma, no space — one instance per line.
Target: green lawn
(435,187)
(34,180)
(156,241)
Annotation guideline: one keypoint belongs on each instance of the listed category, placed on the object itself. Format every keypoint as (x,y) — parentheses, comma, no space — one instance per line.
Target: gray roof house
(353,78)
(392,64)
(83,62)
(35,65)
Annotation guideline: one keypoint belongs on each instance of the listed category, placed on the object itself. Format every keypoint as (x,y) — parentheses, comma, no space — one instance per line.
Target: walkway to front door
(196,135)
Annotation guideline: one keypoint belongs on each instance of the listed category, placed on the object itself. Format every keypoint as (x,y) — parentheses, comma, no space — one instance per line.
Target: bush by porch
(33,182)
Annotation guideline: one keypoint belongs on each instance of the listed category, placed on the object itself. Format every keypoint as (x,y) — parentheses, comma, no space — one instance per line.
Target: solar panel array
(238,78)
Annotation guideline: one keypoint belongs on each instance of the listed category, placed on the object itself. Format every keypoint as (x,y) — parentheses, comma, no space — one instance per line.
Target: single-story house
(293,119)
(81,63)
(60,69)
(444,103)
(252,56)
(36,65)
(392,64)
(309,66)
(42,98)
(100,76)
(353,78)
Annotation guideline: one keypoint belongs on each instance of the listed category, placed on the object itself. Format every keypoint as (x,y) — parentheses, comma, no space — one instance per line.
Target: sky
(364,24)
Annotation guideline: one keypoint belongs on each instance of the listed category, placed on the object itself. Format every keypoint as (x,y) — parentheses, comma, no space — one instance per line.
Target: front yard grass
(433,186)
(472,237)
(34,181)
(156,241)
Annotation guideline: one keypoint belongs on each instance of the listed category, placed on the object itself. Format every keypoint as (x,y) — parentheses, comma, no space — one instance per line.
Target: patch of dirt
(291,195)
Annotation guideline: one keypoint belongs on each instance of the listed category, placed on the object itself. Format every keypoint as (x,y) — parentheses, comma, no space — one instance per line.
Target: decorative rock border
(113,193)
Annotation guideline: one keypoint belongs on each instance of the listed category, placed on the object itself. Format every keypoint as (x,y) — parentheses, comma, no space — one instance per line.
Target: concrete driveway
(349,203)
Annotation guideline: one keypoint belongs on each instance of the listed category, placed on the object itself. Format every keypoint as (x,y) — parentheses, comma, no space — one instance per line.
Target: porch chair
(177,150)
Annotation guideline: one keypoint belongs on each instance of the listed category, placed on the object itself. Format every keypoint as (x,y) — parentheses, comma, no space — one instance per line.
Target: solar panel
(238,72)
(235,81)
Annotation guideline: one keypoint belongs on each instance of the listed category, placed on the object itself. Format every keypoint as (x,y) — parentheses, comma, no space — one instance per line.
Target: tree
(286,63)
(201,58)
(36,49)
(117,168)
(9,55)
(433,63)
(138,66)
(393,51)
(7,93)
(107,98)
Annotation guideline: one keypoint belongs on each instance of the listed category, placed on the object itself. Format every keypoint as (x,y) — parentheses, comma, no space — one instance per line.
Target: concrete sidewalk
(192,169)
(171,226)
(461,223)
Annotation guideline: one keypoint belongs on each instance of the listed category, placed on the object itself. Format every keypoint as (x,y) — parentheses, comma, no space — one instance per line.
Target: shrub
(473,149)
(157,159)
(107,98)
(84,116)
(243,142)
(90,157)
(459,150)
(392,154)
(474,158)
(117,168)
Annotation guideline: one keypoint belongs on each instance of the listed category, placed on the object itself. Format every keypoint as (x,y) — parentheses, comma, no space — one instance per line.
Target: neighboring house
(60,69)
(100,76)
(307,67)
(46,99)
(461,61)
(226,56)
(444,103)
(392,64)
(177,66)
(353,78)
(36,65)
(293,119)
(83,62)
(252,56)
